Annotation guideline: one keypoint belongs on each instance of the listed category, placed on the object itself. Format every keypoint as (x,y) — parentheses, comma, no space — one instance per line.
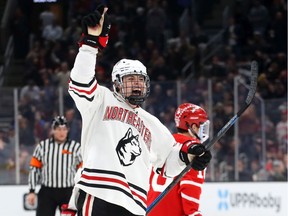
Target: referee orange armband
(35,163)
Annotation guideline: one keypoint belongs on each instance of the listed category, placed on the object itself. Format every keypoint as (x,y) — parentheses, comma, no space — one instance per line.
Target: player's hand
(95,28)
(96,23)
(197,149)
(31,198)
(65,211)
(201,162)
(189,150)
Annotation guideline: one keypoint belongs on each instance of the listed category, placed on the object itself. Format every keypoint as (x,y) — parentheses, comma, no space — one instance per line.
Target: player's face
(134,85)
(60,134)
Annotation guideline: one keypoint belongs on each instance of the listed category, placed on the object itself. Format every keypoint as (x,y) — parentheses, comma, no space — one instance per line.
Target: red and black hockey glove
(67,212)
(201,158)
(92,20)
(201,162)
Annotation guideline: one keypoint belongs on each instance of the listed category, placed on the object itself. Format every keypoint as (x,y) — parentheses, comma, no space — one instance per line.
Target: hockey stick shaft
(248,101)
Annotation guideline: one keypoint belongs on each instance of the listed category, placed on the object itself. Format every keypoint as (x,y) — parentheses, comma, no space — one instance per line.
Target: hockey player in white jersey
(120,140)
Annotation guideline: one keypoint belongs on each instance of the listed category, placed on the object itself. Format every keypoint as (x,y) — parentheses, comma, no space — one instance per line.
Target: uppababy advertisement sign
(248,200)
(218,199)
(265,199)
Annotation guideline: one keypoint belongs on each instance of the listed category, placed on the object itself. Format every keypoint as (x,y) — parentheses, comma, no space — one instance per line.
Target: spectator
(74,124)
(248,128)
(155,23)
(198,37)
(6,152)
(218,70)
(282,131)
(46,17)
(26,135)
(30,90)
(278,32)
(62,76)
(243,169)
(21,30)
(277,172)
(258,172)
(53,32)
(259,17)
(233,36)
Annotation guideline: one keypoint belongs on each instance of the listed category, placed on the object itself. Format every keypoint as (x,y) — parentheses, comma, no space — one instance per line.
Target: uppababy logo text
(247,200)
(254,200)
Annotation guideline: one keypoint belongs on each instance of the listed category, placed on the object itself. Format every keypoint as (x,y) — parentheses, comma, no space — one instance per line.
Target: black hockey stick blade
(209,144)
(248,101)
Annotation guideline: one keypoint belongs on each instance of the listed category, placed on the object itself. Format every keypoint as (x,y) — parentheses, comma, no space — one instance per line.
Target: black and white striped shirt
(54,164)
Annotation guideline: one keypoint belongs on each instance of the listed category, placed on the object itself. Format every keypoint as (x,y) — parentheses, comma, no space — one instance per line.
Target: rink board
(238,199)
(218,199)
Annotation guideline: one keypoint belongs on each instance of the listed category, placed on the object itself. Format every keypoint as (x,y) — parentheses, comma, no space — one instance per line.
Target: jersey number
(159,183)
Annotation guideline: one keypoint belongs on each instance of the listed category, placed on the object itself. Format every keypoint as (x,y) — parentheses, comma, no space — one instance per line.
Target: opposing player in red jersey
(183,200)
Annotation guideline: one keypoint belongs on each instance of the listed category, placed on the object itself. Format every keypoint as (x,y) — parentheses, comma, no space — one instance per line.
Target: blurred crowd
(165,36)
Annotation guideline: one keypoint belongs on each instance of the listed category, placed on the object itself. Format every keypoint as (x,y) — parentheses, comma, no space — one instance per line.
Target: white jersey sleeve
(83,82)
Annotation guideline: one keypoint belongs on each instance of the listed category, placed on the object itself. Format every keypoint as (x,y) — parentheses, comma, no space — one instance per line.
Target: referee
(54,164)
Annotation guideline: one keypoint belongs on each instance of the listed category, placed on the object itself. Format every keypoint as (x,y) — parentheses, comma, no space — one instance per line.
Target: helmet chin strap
(192,132)
(135,100)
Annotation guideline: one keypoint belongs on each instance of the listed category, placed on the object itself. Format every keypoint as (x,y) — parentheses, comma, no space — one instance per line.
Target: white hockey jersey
(119,144)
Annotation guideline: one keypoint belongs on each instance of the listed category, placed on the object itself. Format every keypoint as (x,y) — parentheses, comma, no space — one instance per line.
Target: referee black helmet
(59,121)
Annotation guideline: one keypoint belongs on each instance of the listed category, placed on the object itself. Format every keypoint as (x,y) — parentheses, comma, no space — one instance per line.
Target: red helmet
(189,113)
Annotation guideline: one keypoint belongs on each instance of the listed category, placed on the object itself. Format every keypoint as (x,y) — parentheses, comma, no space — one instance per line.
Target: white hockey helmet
(126,67)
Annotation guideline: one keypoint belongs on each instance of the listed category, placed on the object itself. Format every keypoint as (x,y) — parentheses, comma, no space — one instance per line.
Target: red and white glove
(65,211)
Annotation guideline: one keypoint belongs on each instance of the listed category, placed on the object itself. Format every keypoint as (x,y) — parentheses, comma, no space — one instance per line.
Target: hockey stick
(248,101)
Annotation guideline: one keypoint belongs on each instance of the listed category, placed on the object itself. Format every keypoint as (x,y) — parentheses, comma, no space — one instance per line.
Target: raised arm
(94,38)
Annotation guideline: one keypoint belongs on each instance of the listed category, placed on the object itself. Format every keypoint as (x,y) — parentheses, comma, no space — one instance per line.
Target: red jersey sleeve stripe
(83,89)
